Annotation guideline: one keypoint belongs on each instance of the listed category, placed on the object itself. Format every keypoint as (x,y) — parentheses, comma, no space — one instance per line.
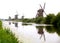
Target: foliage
(49,18)
(26,20)
(0,24)
(38,19)
(56,20)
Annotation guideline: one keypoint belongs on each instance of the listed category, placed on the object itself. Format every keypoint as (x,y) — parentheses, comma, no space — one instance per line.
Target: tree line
(49,19)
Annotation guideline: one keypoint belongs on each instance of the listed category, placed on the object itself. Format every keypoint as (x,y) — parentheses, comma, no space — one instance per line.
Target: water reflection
(16,24)
(9,23)
(40,31)
(53,29)
(28,33)
(49,29)
(12,22)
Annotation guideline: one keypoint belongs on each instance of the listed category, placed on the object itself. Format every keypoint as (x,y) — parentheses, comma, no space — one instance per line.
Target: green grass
(6,36)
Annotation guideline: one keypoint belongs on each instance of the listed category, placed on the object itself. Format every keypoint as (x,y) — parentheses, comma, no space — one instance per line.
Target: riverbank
(6,36)
(49,19)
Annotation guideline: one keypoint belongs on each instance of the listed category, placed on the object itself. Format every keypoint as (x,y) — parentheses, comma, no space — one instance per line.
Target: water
(35,33)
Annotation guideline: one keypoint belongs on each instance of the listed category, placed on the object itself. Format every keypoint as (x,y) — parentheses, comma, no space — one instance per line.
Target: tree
(49,18)
(38,19)
(56,20)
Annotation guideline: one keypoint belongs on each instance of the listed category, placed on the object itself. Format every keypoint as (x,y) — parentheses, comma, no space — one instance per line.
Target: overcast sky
(28,8)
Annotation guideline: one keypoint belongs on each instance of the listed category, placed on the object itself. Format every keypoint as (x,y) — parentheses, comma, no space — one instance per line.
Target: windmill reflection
(9,23)
(40,31)
(16,24)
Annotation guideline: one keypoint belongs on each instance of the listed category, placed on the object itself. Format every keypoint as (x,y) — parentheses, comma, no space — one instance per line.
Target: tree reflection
(50,29)
(12,22)
(53,29)
(40,31)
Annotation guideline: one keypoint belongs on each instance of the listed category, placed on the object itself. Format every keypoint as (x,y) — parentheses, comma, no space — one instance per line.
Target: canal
(34,33)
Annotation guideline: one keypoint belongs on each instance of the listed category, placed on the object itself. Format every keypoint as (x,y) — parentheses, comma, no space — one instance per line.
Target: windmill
(41,32)
(41,11)
(16,16)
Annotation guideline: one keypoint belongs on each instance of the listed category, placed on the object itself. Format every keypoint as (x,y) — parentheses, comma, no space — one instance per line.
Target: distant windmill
(41,11)
(9,18)
(16,16)
(22,16)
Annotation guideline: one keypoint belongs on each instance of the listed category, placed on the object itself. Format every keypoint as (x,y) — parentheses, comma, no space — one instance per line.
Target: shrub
(38,19)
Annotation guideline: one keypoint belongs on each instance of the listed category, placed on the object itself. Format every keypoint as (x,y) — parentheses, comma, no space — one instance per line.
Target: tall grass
(0,24)
(6,36)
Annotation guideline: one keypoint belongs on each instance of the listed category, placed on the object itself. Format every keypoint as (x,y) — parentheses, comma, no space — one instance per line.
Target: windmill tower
(41,11)
(41,32)
(9,18)
(16,16)
(22,17)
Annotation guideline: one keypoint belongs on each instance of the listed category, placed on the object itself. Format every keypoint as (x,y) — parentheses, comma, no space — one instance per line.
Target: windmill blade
(37,15)
(44,5)
(41,6)
(45,13)
(16,12)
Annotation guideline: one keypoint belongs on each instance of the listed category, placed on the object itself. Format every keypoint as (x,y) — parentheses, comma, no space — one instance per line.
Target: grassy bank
(6,36)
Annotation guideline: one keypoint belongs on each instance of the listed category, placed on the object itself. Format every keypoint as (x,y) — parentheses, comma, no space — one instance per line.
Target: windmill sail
(41,11)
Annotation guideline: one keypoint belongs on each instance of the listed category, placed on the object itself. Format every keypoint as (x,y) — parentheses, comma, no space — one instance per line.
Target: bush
(38,20)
